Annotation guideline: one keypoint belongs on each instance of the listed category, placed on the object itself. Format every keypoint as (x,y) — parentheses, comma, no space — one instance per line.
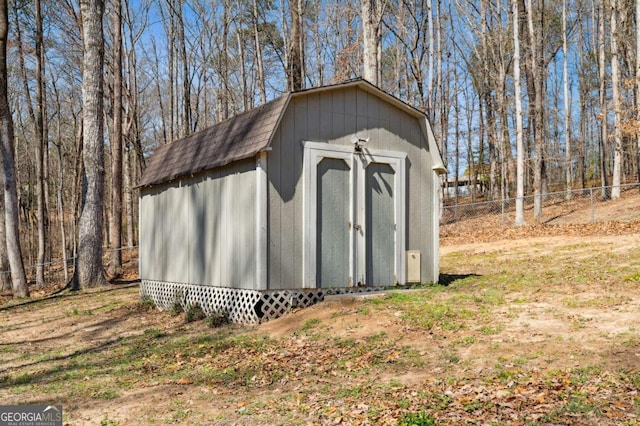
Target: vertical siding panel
(296,271)
(176,229)
(232,209)
(327,130)
(339,118)
(350,115)
(313,118)
(204,232)
(226,212)
(427,178)
(164,205)
(289,147)
(274,171)
(198,233)
(162,237)
(248,226)
(416,194)
(362,119)
(216,205)
(373,123)
(148,236)
(383,124)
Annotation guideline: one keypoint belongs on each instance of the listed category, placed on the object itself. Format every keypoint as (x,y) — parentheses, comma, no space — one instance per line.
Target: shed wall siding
(335,117)
(201,230)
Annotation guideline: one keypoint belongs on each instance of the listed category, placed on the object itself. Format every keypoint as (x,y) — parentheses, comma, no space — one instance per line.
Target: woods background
(569,69)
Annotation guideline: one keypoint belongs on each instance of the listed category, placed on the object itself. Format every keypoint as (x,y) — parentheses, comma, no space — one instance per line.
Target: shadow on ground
(448,279)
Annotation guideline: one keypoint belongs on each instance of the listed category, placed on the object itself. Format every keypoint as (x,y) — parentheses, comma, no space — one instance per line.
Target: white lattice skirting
(241,306)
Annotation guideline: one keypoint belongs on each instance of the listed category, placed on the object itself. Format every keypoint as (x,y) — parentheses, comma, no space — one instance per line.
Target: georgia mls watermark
(30,415)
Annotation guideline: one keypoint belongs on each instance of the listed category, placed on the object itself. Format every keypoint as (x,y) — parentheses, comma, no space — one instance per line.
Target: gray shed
(326,190)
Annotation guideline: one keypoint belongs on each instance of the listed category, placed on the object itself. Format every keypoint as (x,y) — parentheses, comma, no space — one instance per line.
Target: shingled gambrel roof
(250,132)
(234,139)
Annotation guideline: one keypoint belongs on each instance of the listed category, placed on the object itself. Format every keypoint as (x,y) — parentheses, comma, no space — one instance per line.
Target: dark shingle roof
(234,139)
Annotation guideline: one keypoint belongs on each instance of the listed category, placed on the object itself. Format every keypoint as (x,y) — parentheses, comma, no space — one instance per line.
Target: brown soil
(576,325)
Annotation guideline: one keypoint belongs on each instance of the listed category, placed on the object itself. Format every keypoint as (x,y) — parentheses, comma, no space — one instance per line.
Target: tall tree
(518,112)
(5,273)
(88,272)
(372,11)
(41,141)
(637,85)
(602,75)
(18,277)
(617,102)
(567,112)
(295,72)
(115,232)
(535,77)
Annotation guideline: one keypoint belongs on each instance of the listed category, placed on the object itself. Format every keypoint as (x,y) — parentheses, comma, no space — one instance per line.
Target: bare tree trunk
(258,49)
(89,271)
(638,82)
(565,85)
(602,74)
(60,192)
(519,136)
(186,79)
(615,86)
(5,273)
(18,277)
(166,137)
(243,73)
(536,74)
(224,54)
(41,142)
(584,93)
(116,147)
(128,198)
(294,66)
(372,11)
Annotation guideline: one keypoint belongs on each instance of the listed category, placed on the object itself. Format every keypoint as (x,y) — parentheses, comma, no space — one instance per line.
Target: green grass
(409,357)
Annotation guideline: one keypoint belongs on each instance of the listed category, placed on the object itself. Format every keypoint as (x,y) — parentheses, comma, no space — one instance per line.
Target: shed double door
(358,225)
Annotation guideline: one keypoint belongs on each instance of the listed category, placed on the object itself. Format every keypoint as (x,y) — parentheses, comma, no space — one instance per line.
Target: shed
(327,190)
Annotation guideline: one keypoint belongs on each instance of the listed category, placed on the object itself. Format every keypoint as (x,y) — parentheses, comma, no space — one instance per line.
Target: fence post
(502,215)
(593,209)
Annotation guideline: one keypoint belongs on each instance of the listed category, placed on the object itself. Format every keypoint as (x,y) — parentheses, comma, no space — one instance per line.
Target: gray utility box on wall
(413,266)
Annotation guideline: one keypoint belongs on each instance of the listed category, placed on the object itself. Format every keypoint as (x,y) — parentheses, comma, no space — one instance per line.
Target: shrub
(218,319)
(194,313)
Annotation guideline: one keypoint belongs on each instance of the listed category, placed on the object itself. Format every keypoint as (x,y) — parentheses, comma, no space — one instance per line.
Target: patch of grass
(107,394)
(420,418)
(152,333)
(146,303)
(635,278)
(365,310)
(78,312)
(309,324)
(351,392)
(491,329)
(345,343)
(451,357)
(579,404)
(584,374)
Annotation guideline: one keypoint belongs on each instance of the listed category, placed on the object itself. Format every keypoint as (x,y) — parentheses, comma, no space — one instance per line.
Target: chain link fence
(580,206)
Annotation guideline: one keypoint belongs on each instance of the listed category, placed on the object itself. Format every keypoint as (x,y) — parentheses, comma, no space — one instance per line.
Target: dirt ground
(577,322)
